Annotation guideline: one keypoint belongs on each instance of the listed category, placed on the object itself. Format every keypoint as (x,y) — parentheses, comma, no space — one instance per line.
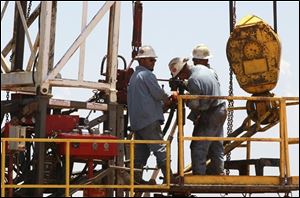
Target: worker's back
(203,82)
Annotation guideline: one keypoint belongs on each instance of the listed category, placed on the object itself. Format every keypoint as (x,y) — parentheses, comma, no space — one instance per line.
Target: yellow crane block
(253,51)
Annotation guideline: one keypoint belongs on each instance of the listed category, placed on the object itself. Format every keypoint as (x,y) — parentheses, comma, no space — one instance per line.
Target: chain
(7,116)
(230,93)
(234,13)
(28,10)
(11,57)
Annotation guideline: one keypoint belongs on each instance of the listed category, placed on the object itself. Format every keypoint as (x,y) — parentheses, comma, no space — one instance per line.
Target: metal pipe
(40,128)
(137,28)
(180,138)
(275,15)
(231,25)
(282,155)
(237,139)
(168,164)
(285,132)
(253,98)
(248,155)
(293,140)
(84,140)
(131,168)
(4,144)
(67,192)
(10,172)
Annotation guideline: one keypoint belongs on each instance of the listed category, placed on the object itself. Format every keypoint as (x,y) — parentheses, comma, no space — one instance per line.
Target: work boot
(138,175)
(173,179)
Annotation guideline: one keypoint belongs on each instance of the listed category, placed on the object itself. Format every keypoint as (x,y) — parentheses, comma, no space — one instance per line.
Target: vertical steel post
(40,131)
(42,100)
(275,15)
(19,39)
(112,50)
(248,151)
(52,36)
(120,157)
(180,138)
(282,147)
(231,12)
(285,135)
(131,168)
(67,192)
(45,27)
(112,66)
(3,167)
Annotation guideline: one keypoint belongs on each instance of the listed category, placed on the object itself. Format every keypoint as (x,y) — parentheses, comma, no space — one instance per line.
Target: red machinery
(63,127)
(88,150)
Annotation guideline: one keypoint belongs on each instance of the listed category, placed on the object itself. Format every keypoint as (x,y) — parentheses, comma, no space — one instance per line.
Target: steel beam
(19,38)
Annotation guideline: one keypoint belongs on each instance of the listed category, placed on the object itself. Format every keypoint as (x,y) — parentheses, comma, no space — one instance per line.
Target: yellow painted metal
(295,180)
(3,168)
(282,146)
(248,155)
(67,186)
(293,140)
(233,180)
(292,103)
(162,186)
(285,133)
(284,161)
(283,140)
(131,168)
(167,163)
(253,51)
(242,139)
(236,108)
(180,137)
(254,98)
(67,169)
(35,186)
(83,140)
(249,19)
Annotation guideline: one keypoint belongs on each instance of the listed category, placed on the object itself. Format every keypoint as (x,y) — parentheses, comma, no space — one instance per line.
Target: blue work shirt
(203,81)
(144,99)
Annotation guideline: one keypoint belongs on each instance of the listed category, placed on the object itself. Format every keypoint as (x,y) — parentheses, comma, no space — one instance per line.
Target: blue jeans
(210,124)
(142,151)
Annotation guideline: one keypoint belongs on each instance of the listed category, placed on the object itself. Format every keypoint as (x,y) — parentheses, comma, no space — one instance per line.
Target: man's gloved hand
(172,100)
(174,96)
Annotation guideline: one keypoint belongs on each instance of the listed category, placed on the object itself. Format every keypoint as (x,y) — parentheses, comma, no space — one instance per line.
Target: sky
(174,29)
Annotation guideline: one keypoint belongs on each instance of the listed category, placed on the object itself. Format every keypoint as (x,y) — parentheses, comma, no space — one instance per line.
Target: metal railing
(67,184)
(283,140)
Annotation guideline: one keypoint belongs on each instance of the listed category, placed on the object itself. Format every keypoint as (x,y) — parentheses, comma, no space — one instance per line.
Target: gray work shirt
(203,81)
(144,99)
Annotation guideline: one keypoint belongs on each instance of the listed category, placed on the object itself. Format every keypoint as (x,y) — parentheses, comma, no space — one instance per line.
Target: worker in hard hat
(201,56)
(145,99)
(208,116)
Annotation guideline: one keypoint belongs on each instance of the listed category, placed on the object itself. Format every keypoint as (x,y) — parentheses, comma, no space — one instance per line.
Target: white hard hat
(146,51)
(176,65)
(201,51)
